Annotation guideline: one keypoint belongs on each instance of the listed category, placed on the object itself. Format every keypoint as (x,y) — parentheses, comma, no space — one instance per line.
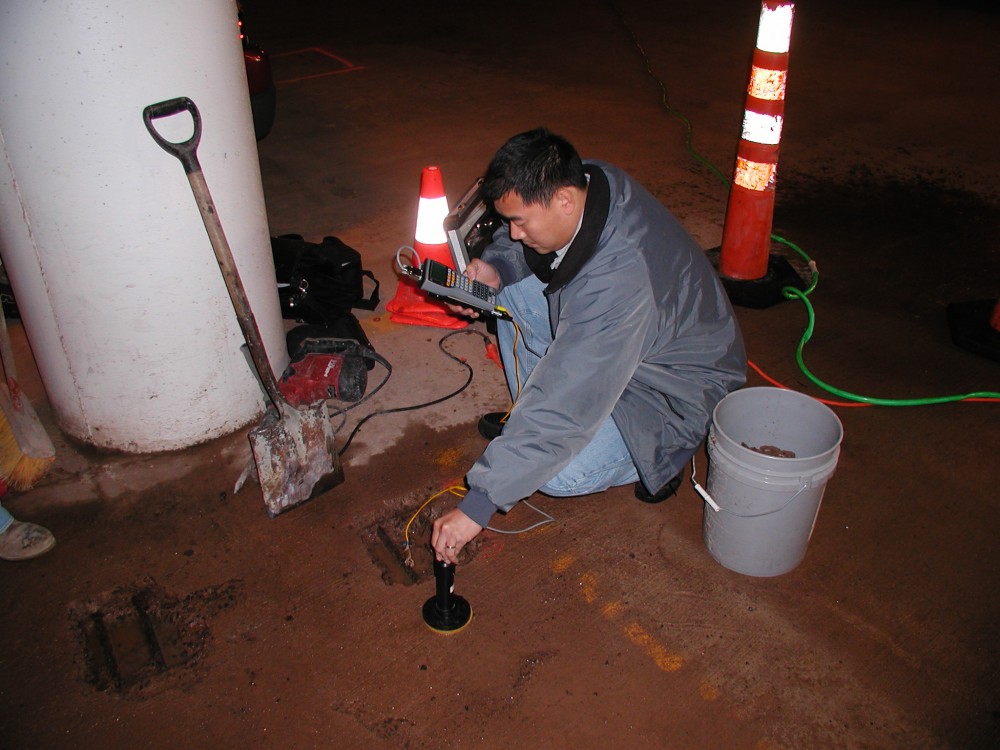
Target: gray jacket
(643,331)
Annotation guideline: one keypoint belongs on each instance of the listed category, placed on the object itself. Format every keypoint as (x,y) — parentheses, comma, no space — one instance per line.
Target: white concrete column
(122,301)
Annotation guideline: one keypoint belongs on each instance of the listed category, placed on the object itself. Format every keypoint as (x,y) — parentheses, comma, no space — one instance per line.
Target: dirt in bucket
(771,450)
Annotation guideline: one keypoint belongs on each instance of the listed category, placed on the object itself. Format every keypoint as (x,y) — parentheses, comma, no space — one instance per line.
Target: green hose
(791,293)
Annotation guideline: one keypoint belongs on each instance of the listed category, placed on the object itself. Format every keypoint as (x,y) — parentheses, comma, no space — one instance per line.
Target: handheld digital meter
(440,281)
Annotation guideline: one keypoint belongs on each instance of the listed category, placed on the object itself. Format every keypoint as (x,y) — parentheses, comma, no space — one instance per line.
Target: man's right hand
(483,272)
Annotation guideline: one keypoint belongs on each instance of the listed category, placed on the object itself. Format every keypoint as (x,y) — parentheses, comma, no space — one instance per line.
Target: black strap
(372,302)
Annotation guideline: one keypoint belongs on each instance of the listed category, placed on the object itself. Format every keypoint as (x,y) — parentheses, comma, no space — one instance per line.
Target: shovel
(294,449)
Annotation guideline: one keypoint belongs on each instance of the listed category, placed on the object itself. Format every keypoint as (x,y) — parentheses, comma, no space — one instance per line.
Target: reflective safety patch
(431,213)
(754,175)
(767,84)
(775,29)
(758,128)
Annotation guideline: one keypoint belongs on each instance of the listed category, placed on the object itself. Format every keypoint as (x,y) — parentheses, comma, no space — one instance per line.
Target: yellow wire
(517,371)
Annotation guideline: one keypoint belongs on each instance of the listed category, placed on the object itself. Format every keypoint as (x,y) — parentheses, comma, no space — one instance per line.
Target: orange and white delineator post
(746,236)
(411,305)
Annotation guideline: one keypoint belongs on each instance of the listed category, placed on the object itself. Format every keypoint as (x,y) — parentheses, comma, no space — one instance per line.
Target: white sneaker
(22,541)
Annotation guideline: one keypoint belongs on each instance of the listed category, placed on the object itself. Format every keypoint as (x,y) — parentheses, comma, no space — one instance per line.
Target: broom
(26,452)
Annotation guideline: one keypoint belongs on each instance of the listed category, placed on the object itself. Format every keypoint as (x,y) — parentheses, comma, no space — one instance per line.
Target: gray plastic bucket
(767,505)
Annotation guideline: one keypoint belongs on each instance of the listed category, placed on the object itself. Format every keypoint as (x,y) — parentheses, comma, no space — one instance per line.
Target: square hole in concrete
(133,635)
(385,539)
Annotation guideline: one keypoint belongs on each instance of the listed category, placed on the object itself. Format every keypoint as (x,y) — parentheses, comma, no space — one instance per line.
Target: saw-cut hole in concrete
(134,634)
(385,542)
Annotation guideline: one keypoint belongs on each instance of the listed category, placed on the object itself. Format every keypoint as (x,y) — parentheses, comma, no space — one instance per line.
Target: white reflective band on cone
(767,84)
(775,30)
(754,175)
(431,213)
(759,128)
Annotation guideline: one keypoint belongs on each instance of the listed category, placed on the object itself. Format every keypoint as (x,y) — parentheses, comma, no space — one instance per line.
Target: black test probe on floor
(446,612)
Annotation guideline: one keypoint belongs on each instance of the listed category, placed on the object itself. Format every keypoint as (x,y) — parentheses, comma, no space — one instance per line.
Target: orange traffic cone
(753,276)
(411,305)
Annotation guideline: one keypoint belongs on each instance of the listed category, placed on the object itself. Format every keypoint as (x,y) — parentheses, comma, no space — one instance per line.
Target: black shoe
(491,425)
(668,490)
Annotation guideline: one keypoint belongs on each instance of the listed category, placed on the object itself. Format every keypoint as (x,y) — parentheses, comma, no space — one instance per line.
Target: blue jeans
(6,519)
(605,462)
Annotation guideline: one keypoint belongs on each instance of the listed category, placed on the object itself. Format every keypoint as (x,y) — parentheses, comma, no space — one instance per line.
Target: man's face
(543,228)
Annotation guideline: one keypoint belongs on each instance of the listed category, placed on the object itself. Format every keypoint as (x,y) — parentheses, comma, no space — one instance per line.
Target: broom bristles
(26,452)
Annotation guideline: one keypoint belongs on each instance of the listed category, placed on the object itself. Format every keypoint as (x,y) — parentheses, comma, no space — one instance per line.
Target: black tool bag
(342,331)
(319,282)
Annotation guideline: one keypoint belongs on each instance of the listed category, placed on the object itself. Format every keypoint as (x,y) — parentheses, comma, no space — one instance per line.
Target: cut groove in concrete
(132,635)
(385,542)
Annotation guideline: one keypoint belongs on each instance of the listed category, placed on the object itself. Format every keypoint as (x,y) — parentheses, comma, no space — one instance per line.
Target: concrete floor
(613,626)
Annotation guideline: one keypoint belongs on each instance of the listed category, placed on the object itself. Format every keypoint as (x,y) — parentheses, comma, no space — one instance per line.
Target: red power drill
(325,368)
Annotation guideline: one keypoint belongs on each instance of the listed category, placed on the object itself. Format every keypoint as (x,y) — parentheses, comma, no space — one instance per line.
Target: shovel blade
(296,456)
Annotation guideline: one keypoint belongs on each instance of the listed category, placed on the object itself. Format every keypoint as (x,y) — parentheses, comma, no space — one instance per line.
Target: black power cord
(424,405)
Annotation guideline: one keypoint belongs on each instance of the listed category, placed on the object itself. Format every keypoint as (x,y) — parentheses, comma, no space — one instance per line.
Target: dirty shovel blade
(296,455)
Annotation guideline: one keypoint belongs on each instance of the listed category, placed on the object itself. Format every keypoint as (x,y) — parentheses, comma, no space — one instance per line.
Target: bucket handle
(716,507)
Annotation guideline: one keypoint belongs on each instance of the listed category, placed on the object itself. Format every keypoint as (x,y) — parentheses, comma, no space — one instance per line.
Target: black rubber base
(447,621)
(970,327)
(764,292)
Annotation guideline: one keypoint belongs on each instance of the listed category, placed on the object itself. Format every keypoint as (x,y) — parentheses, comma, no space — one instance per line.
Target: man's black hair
(534,165)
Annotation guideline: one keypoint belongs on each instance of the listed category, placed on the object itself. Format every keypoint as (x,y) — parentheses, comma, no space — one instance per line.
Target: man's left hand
(452,531)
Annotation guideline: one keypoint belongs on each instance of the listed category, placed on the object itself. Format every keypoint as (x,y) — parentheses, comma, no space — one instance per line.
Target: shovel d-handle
(186,151)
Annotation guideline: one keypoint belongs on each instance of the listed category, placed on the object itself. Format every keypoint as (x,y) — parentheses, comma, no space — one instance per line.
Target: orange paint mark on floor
(338,64)
(588,587)
(611,610)
(708,691)
(449,457)
(665,660)
(562,563)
